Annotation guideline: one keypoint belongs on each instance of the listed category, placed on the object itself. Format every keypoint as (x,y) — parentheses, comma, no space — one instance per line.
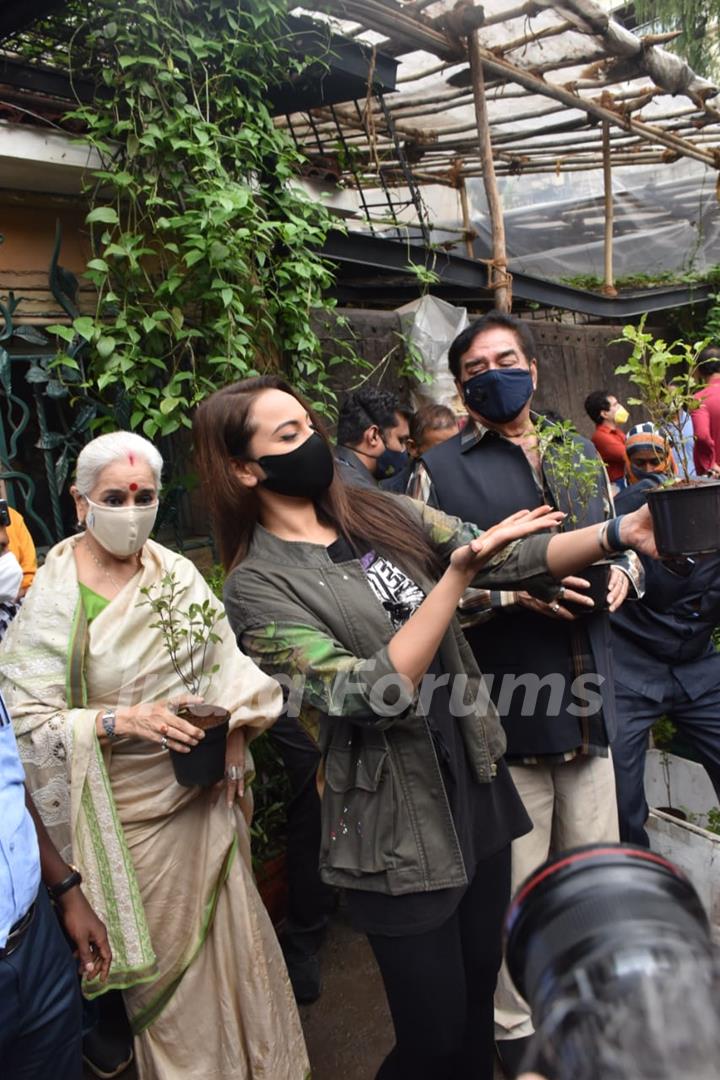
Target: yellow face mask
(621,415)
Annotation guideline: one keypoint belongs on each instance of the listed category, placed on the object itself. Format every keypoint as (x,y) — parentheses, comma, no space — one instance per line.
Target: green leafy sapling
(713,820)
(567,466)
(187,634)
(663,733)
(664,376)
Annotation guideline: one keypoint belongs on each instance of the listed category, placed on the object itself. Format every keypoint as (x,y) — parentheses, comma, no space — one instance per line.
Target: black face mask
(499,394)
(304,472)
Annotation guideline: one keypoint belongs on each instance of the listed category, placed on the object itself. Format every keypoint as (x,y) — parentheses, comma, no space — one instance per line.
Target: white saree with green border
(167,868)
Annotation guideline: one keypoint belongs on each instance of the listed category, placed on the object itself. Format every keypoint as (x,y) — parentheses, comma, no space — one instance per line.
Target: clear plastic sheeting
(430,326)
(665,219)
(567,87)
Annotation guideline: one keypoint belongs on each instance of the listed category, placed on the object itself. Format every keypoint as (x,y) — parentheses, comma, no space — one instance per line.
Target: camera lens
(610,912)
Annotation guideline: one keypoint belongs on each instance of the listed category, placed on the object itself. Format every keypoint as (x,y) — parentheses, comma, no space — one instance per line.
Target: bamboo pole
(469,232)
(499,278)
(609,284)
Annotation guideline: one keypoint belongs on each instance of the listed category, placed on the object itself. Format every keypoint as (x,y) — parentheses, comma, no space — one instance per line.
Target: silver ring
(164,742)
(234,772)
(555,607)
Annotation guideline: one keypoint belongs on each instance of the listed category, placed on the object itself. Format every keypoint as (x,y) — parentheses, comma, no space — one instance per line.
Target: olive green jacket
(318,627)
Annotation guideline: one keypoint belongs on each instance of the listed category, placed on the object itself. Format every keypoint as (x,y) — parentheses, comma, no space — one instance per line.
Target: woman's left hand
(636,530)
(234,781)
(471,558)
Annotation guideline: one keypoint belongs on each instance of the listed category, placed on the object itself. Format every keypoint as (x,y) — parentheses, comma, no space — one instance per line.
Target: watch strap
(74,878)
(108,722)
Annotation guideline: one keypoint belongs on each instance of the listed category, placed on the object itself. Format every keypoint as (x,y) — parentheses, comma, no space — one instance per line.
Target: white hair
(107,449)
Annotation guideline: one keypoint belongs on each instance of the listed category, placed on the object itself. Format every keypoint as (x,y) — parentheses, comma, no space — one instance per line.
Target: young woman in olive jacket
(349,597)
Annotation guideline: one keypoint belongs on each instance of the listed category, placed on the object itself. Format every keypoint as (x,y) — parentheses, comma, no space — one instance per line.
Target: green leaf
(168,404)
(85,327)
(98,264)
(106,347)
(63,332)
(106,214)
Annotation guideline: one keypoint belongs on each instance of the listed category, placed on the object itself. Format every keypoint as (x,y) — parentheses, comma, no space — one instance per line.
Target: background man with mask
(371,434)
(608,415)
(430,425)
(559,760)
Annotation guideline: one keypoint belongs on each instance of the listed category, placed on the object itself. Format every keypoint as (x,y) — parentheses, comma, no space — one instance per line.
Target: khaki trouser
(569,804)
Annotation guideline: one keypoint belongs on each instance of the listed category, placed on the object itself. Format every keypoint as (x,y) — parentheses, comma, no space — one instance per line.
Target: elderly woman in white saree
(91,689)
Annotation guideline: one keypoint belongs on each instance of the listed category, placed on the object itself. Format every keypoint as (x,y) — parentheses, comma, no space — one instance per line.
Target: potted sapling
(685,511)
(187,635)
(574,480)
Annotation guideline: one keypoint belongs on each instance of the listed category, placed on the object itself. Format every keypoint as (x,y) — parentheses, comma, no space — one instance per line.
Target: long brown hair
(222,431)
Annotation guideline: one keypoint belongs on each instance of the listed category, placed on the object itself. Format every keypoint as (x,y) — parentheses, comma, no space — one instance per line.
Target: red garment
(610,445)
(706,426)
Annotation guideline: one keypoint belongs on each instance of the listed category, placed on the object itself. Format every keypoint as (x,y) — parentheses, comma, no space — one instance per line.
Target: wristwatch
(74,878)
(108,722)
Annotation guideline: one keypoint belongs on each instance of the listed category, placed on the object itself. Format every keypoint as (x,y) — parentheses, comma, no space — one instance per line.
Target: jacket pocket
(358,811)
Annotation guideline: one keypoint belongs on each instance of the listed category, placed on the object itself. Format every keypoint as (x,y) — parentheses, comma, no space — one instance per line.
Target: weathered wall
(27,225)
(572,361)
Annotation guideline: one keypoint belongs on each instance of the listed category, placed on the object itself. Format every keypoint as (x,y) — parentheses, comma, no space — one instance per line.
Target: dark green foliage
(205,250)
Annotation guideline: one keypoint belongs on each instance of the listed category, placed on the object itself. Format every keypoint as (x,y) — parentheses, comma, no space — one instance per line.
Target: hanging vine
(204,251)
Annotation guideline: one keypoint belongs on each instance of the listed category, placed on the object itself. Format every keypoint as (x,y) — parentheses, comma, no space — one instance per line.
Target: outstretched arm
(413,647)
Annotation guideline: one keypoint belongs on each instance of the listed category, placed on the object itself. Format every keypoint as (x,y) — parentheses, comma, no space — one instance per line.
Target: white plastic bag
(432,325)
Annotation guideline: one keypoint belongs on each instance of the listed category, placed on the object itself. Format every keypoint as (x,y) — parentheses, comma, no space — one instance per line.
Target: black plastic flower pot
(686,517)
(205,764)
(598,574)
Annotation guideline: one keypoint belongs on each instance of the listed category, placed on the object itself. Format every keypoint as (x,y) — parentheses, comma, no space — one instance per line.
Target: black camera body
(612,949)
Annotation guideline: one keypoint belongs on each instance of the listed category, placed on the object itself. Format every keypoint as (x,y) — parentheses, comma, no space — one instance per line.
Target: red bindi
(133,487)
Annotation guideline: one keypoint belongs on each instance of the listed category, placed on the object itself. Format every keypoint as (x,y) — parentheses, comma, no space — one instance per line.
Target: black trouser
(40,1007)
(440,985)
(698,721)
(309,900)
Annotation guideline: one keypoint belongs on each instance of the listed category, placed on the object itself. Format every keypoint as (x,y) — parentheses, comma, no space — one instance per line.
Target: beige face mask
(121,530)
(621,415)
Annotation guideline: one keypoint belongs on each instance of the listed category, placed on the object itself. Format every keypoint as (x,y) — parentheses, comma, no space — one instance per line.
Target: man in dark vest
(551,671)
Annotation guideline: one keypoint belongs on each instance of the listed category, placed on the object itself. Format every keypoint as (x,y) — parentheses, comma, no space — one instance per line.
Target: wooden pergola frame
(604,82)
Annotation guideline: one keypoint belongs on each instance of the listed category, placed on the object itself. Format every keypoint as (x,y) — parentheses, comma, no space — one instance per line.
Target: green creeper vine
(204,251)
